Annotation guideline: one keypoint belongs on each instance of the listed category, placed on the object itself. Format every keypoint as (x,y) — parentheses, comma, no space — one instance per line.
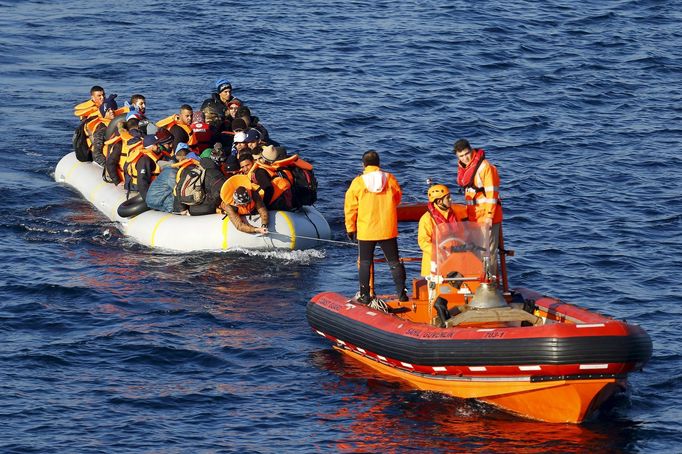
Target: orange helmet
(437,191)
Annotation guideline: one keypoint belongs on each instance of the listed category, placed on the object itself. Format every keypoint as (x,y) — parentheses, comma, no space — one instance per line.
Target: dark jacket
(98,144)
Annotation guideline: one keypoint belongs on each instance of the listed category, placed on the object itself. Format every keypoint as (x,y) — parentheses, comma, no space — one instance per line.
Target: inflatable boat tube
(288,230)
(132,207)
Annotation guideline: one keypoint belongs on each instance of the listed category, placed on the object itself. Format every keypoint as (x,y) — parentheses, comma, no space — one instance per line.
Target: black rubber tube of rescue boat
(132,207)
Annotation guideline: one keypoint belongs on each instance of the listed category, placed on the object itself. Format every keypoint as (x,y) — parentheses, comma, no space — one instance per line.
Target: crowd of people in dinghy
(219,159)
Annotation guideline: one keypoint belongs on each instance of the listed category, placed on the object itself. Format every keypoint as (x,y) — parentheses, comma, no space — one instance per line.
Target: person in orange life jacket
(371,217)
(238,199)
(90,107)
(114,165)
(481,183)
(143,170)
(106,111)
(439,211)
(179,124)
(139,104)
(276,189)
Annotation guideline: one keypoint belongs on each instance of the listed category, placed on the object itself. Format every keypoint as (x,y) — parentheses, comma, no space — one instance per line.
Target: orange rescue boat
(529,354)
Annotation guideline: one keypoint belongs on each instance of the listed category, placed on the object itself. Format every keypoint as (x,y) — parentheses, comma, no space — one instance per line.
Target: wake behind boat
(287,229)
(529,354)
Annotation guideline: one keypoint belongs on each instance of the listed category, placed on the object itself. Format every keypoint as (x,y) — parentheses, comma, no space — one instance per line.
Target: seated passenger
(141,167)
(203,135)
(198,184)
(253,141)
(230,112)
(297,172)
(253,122)
(179,124)
(220,97)
(117,146)
(160,194)
(239,199)
(275,187)
(96,128)
(90,107)
(139,104)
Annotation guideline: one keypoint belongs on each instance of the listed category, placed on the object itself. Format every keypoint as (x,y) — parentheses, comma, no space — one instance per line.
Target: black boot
(441,306)
(399,277)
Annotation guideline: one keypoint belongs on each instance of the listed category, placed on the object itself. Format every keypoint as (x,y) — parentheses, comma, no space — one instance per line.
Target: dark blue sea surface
(106,346)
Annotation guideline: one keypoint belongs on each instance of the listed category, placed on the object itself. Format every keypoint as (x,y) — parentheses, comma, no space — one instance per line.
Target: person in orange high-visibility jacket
(371,217)
(481,184)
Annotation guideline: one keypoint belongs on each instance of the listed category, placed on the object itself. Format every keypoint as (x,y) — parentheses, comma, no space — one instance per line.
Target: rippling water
(109,347)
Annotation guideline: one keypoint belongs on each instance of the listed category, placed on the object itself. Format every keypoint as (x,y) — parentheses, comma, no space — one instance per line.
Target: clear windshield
(458,248)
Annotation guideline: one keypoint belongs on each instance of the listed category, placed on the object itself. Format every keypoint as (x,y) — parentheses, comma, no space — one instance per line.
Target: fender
(132,207)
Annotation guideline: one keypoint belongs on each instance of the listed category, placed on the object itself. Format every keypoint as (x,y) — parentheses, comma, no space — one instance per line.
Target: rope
(346,243)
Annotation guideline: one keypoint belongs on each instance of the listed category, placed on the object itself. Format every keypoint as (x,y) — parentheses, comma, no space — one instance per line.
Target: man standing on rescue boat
(481,184)
(371,217)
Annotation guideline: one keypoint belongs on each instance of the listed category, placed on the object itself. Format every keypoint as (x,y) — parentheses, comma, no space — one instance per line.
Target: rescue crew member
(481,184)
(371,217)
(239,199)
(439,211)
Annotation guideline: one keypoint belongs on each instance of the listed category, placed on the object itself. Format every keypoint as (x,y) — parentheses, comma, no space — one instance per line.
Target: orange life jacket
(85,109)
(171,121)
(279,178)
(227,193)
(130,167)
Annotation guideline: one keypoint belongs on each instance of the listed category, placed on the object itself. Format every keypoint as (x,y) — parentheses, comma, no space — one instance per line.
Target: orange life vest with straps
(91,127)
(85,109)
(227,193)
(130,167)
(299,174)
(171,121)
(281,183)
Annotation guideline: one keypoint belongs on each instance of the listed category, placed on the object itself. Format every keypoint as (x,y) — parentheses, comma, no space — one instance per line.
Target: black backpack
(304,186)
(80,143)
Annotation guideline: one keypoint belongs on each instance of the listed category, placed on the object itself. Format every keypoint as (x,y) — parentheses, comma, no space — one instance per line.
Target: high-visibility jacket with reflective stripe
(483,199)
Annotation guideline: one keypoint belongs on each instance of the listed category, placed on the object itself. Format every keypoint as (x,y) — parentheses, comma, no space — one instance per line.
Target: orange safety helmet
(437,191)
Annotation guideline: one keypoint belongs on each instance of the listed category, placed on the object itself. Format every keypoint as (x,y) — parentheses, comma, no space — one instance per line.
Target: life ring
(132,207)
(113,125)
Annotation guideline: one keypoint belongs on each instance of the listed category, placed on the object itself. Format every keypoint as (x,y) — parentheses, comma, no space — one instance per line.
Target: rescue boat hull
(214,232)
(558,372)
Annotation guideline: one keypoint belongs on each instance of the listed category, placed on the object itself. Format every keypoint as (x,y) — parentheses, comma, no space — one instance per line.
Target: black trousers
(366,254)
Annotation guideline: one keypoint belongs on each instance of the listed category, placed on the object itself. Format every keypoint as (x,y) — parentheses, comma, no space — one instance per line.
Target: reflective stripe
(491,188)
(481,200)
